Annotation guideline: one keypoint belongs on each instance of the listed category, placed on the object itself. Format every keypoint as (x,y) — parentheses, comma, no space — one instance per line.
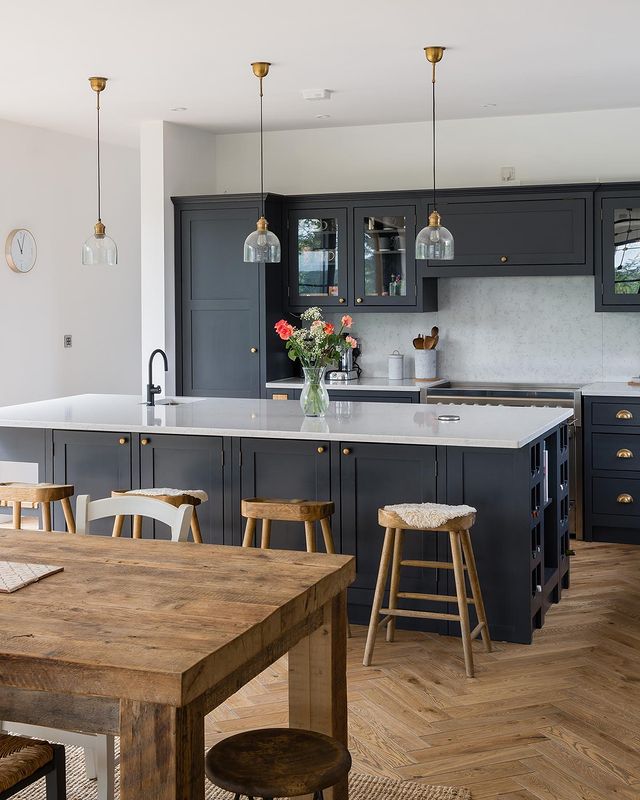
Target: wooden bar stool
(42,494)
(178,499)
(458,528)
(307,511)
(277,762)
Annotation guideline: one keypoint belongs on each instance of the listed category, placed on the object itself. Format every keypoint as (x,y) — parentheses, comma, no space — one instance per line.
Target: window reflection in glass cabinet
(318,267)
(626,226)
(385,256)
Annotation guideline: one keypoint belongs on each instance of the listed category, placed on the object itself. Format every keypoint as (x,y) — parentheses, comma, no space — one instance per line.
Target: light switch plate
(68,342)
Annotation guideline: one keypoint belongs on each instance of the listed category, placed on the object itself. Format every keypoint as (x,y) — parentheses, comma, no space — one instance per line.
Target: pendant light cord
(261,158)
(433,130)
(98,159)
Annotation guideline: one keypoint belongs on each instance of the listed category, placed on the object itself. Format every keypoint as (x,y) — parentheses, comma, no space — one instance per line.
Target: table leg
(161,752)
(318,681)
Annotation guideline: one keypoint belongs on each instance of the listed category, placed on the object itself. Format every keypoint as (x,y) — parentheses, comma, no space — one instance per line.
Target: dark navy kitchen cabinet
(612,469)
(371,476)
(186,462)
(617,248)
(506,232)
(96,463)
(282,468)
(225,309)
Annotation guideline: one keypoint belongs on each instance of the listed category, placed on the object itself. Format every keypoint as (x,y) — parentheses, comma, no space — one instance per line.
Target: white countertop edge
(610,389)
(385,385)
(249,433)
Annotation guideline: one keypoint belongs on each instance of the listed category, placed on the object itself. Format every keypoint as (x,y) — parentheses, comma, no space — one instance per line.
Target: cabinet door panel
(372,476)
(278,468)
(513,236)
(318,257)
(185,462)
(619,260)
(220,295)
(96,463)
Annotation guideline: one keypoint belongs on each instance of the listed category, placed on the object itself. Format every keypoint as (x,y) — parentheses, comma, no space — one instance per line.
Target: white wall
(494,328)
(48,186)
(174,160)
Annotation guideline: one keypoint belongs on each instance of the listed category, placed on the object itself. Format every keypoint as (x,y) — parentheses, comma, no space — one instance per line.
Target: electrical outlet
(67,340)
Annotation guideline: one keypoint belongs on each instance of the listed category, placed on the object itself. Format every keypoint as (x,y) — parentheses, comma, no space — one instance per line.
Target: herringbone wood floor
(557,720)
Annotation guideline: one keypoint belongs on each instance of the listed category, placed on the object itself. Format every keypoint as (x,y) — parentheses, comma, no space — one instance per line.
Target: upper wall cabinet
(517,233)
(355,256)
(617,285)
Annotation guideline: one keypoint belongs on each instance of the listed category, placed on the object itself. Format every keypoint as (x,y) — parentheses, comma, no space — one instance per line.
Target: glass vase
(314,399)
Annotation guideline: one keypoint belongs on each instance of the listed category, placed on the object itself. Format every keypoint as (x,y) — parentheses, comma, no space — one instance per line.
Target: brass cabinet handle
(254,350)
(358,300)
(624,414)
(321,449)
(122,440)
(624,498)
(144,442)
(341,300)
(624,453)
(504,259)
(346,451)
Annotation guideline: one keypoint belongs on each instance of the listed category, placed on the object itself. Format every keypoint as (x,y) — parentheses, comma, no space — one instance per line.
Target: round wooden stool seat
(176,500)
(42,494)
(286,510)
(277,762)
(389,519)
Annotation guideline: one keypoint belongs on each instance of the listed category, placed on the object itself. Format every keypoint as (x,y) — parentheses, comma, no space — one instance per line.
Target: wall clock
(20,250)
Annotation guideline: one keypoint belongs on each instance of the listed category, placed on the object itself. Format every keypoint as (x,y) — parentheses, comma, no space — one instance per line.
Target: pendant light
(262,245)
(434,241)
(99,249)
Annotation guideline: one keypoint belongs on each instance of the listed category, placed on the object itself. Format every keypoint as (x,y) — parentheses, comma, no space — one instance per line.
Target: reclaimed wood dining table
(142,639)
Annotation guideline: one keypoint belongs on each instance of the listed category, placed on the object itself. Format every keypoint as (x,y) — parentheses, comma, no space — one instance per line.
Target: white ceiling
(524,56)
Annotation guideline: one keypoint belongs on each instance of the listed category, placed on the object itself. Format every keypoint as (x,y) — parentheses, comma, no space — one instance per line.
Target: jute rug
(361,787)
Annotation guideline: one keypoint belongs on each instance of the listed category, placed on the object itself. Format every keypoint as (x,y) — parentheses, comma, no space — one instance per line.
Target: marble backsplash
(510,329)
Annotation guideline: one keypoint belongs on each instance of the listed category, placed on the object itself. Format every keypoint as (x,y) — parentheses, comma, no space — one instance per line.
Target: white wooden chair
(98,748)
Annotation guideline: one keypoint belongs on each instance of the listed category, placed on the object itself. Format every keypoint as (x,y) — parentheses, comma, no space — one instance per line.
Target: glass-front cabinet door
(385,264)
(318,257)
(620,252)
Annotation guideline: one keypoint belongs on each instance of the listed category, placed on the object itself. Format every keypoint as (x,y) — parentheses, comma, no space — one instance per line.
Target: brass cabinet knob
(321,449)
(346,451)
(624,453)
(504,259)
(122,440)
(358,300)
(145,442)
(341,300)
(624,414)
(624,498)
(254,350)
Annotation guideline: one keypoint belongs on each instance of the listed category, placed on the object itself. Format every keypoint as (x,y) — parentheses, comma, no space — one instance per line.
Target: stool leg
(118,522)
(68,514)
(325,525)
(476,591)
(17,515)
(265,534)
(381,582)
(195,527)
(310,535)
(46,516)
(249,532)
(395,581)
(461,592)
(137,527)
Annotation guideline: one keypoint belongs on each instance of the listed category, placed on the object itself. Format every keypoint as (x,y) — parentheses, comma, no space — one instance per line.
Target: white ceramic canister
(396,366)
(426,365)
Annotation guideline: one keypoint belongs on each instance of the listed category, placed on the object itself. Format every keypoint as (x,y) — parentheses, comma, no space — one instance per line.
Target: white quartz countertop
(610,389)
(398,423)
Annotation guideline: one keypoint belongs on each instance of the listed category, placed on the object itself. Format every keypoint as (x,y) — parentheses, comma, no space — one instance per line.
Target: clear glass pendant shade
(434,241)
(262,246)
(99,250)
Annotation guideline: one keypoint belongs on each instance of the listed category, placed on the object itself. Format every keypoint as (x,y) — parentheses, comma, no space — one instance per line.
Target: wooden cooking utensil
(430,342)
(418,342)
(435,331)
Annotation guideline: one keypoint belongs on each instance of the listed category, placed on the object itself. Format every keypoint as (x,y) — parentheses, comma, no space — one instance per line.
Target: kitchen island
(361,456)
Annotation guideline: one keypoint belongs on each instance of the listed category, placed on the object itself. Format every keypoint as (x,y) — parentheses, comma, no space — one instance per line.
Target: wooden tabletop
(154,621)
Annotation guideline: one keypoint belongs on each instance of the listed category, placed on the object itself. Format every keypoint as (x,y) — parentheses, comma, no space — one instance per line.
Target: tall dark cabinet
(225,309)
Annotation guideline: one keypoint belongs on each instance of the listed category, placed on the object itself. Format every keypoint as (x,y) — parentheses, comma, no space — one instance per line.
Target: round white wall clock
(20,250)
